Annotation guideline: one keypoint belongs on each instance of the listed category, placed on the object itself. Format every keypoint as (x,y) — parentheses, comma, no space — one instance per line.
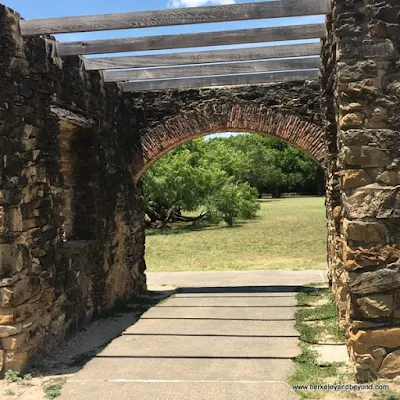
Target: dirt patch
(331,353)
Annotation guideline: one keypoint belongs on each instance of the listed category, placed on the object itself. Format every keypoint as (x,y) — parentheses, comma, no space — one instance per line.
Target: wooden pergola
(195,69)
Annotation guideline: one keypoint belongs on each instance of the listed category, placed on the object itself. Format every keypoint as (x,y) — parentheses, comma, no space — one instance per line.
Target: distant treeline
(223,176)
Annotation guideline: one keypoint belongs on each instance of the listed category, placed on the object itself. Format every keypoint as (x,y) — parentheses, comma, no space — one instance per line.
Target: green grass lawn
(287,234)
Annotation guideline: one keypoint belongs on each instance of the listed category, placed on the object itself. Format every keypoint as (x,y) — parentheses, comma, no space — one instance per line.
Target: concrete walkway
(223,336)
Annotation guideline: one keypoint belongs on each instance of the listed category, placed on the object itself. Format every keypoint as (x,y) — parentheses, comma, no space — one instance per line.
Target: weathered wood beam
(213,69)
(170,17)
(219,38)
(227,80)
(204,57)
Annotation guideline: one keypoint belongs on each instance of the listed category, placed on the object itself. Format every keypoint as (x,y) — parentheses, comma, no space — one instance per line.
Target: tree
(189,178)
(277,167)
(232,201)
(174,183)
(264,170)
(221,155)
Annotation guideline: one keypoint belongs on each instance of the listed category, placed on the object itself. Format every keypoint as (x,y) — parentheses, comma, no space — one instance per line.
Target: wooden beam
(170,17)
(212,69)
(218,38)
(227,80)
(204,57)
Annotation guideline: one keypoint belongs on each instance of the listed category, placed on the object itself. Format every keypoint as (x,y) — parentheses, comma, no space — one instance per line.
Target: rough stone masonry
(360,96)
(73,148)
(71,226)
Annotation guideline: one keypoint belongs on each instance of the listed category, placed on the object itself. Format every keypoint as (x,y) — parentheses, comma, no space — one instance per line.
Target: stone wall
(71,226)
(366,80)
(333,200)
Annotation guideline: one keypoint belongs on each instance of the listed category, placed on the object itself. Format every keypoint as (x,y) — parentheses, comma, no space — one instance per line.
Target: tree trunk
(229,220)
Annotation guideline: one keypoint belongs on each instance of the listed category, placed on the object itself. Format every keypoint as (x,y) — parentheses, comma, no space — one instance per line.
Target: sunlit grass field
(288,233)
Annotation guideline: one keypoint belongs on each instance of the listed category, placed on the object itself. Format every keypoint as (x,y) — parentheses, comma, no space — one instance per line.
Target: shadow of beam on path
(277,306)
(198,357)
(247,289)
(224,319)
(235,297)
(209,335)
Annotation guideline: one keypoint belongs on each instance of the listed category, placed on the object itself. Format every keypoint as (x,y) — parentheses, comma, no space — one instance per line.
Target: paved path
(224,336)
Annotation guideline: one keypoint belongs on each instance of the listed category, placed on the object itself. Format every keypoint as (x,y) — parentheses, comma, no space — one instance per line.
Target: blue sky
(49,8)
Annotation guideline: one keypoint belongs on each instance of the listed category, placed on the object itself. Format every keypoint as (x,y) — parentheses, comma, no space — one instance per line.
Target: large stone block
(9,330)
(390,367)
(385,30)
(16,360)
(353,178)
(358,71)
(375,306)
(367,364)
(354,119)
(390,178)
(385,139)
(21,291)
(386,11)
(6,316)
(361,48)
(14,219)
(369,232)
(14,342)
(365,156)
(365,89)
(26,131)
(380,281)
(373,201)
(379,117)
(361,257)
(33,208)
(13,258)
(364,341)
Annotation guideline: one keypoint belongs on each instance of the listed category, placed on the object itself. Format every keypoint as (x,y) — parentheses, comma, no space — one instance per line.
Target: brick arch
(214,118)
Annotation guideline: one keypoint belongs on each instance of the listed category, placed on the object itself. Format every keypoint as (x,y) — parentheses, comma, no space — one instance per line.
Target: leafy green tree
(233,161)
(175,182)
(232,201)
(277,167)
(189,178)
(264,170)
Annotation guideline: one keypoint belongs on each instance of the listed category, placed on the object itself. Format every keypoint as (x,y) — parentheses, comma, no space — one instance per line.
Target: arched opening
(213,118)
(276,221)
(277,240)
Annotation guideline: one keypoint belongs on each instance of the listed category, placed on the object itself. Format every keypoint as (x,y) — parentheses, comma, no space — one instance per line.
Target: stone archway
(40,273)
(215,118)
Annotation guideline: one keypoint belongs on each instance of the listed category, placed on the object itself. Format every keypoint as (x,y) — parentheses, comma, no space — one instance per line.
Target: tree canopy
(223,177)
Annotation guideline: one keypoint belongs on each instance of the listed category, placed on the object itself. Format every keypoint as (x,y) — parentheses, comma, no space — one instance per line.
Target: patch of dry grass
(287,234)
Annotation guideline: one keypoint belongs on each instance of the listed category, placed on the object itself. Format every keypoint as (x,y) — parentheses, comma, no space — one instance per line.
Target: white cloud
(197,3)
